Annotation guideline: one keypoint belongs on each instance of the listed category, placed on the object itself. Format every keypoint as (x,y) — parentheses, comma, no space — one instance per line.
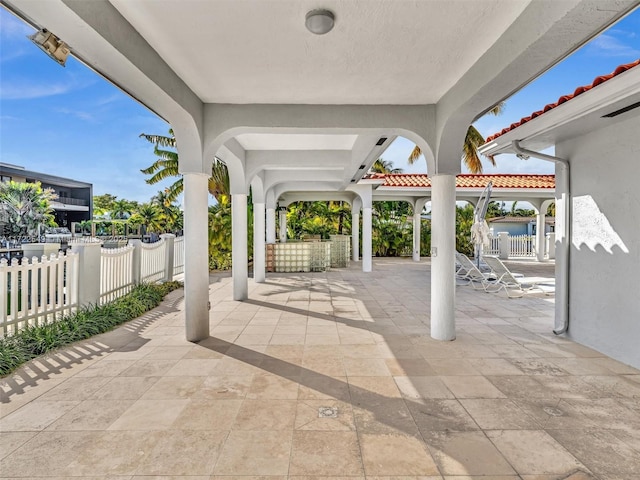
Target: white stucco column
(355,234)
(258,242)
(416,235)
(271,225)
(196,261)
(540,234)
(366,237)
(239,246)
(283,225)
(443,246)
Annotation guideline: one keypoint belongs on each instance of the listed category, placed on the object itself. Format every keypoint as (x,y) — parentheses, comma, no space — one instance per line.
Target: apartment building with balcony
(75,198)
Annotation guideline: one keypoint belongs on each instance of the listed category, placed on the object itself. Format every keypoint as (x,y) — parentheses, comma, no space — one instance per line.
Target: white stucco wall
(605,252)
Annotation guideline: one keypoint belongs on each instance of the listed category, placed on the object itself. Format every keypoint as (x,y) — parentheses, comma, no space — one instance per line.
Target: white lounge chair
(470,274)
(513,285)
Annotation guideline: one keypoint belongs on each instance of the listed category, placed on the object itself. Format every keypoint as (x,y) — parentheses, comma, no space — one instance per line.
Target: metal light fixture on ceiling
(55,48)
(320,21)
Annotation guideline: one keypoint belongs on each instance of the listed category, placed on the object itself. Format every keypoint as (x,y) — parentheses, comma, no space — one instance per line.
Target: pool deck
(328,375)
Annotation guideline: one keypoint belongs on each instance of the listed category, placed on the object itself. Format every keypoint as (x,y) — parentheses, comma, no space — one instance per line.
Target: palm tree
(472,141)
(122,209)
(24,207)
(383,166)
(149,216)
(167,166)
(169,211)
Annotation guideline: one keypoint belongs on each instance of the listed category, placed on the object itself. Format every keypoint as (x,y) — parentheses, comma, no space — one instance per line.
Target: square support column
(196,263)
(367,249)
(283,225)
(355,234)
(239,256)
(271,225)
(417,221)
(258,243)
(540,235)
(443,247)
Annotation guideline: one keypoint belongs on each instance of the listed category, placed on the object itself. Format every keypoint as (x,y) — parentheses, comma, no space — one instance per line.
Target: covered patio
(287,110)
(329,374)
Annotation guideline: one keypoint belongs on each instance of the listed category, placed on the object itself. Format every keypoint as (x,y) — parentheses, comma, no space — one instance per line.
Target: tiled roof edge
(565,98)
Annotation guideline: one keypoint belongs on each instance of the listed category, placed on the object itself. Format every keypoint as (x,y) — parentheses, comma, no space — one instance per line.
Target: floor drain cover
(554,412)
(327,412)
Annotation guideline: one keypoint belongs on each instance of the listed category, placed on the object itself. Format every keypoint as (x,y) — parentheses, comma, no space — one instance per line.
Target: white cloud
(13,28)
(76,113)
(611,46)
(26,91)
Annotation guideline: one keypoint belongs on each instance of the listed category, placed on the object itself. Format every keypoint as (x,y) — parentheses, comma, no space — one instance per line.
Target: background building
(75,198)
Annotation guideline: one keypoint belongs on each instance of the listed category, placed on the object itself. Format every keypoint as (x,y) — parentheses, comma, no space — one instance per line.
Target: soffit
(379,52)
(273,141)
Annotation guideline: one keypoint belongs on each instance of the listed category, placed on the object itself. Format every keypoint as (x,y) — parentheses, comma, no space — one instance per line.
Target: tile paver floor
(506,400)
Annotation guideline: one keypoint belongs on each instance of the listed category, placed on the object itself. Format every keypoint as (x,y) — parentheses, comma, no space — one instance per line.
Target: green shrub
(88,321)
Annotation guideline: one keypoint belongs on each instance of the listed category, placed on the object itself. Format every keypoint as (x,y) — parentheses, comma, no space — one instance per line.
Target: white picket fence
(506,246)
(178,256)
(152,264)
(522,246)
(493,248)
(116,272)
(37,291)
(40,291)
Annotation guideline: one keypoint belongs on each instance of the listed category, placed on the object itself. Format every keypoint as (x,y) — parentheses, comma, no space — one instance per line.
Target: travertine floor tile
(533,451)
(274,387)
(497,413)
(150,415)
(205,414)
(173,388)
(266,414)
(167,455)
(255,453)
(312,415)
(10,441)
(466,453)
(600,451)
(325,453)
(416,388)
(439,414)
(125,388)
(35,416)
(395,455)
(92,415)
(475,386)
(224,387)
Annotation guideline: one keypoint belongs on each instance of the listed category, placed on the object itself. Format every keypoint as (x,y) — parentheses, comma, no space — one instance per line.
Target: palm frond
(160,140)
(174,190)
(414,155)
(160,175)
(166,154)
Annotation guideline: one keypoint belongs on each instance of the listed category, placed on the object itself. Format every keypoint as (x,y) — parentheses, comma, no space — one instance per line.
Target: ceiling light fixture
(319,21)
(51,45)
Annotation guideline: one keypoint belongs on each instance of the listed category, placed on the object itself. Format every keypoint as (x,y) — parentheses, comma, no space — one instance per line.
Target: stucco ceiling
(271,141)
(380,51)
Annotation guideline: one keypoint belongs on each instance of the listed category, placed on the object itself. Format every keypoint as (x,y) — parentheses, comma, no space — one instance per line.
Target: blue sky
(71,122)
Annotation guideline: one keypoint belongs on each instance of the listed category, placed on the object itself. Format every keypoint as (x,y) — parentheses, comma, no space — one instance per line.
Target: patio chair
(470,274)
(513,285)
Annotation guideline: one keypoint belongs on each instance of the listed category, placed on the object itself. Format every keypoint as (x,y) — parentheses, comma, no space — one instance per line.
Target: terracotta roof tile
(468,180)
(565,98)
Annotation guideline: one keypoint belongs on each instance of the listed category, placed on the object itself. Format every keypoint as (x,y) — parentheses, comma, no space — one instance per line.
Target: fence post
(169,239)
(504,245)
(136,260)
(88,272)
(551,246)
